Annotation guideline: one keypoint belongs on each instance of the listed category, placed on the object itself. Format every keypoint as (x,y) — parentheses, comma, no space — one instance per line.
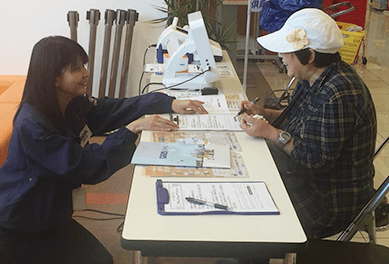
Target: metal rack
(124,19)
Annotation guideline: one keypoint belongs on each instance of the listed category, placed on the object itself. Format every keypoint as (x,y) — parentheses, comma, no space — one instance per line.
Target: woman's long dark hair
(50,56)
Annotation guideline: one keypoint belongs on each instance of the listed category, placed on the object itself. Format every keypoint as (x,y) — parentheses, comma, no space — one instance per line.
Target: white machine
(178,43)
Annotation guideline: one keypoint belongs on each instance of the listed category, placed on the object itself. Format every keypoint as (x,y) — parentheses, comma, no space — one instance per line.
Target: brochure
(177,154)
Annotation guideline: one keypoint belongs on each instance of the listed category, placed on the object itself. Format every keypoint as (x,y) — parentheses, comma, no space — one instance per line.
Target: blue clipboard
(169,201)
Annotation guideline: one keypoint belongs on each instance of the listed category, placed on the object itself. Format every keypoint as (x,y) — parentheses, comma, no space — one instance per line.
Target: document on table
(206,122)
(182,94)
(225,71)
(233,101)
(237,170)
(214,104)
(198,137)
(239,198)
(177,154)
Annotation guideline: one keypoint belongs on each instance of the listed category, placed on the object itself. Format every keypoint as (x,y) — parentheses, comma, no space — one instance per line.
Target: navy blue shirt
(44,164)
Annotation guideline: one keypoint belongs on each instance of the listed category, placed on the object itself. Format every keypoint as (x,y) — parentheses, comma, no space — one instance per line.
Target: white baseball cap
(306,28)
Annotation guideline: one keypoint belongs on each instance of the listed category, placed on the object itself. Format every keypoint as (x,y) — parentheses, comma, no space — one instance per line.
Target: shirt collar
(318,84)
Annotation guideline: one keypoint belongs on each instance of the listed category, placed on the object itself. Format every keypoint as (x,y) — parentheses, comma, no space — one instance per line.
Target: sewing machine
(180,48)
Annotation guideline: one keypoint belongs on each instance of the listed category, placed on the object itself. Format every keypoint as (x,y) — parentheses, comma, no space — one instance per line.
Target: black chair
(343,251)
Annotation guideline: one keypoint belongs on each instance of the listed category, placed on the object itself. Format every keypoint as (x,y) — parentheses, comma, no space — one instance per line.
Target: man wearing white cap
(323,142)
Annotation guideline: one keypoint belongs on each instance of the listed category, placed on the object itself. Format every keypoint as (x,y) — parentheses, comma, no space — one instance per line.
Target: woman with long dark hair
(49,154)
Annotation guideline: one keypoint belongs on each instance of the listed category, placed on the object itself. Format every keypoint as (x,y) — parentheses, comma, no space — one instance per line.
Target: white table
(258,236)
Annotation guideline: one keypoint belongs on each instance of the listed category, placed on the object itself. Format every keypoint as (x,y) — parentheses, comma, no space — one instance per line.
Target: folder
(244,197)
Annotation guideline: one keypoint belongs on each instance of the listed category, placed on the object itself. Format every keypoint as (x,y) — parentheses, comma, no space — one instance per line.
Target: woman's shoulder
(345,74)
(31,119)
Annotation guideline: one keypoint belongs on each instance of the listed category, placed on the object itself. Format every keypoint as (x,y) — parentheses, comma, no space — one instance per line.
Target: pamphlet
(177,154)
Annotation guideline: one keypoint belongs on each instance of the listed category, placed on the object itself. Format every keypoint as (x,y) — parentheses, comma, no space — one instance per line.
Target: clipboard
(243,197)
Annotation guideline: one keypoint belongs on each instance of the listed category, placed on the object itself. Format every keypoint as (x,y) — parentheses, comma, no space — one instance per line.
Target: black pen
(201,202)
(244,109)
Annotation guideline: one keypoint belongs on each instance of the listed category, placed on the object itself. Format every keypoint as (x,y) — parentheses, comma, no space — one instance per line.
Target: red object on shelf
(356,16)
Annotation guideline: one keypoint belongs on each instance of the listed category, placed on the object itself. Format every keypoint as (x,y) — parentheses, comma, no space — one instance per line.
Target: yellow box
(352,41)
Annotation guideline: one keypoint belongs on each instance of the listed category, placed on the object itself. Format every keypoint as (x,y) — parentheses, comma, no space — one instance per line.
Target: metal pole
(93,16)
(246,49)
(73,19)
(110,16)
(132,17)
(120,21)
(218,15)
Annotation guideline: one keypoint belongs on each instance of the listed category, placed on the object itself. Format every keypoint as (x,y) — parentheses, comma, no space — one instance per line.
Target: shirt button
(30,179)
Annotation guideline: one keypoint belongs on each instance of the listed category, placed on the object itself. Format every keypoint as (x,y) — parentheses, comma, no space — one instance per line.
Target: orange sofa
(11,90)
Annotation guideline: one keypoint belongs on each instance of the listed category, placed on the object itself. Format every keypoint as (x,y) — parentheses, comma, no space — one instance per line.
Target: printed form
(206,122)
(239,197)
(214,104)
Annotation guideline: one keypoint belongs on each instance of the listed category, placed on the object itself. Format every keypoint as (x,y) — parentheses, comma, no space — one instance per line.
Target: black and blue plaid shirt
(334,127)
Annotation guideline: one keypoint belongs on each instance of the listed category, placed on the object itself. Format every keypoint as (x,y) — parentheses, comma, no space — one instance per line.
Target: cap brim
(276,42)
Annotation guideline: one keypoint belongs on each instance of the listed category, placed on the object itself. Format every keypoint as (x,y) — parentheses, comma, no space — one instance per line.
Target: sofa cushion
(14,93)
(7,111)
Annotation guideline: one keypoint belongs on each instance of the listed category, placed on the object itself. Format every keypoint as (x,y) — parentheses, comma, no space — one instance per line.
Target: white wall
(25,22)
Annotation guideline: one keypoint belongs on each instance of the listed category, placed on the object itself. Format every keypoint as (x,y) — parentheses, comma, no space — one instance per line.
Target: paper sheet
(214,138)
(237,170)
(176,154)
(206,122)
(233,101)
(240,197)
(214,104)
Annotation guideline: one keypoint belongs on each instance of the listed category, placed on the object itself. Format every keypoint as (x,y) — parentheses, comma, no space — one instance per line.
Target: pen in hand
(201,202)
(244,109)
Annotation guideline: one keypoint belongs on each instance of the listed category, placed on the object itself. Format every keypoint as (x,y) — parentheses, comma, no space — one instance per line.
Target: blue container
(380,4)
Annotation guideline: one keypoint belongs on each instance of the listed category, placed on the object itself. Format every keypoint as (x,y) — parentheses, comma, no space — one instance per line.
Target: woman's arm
(60,157)
(107,114)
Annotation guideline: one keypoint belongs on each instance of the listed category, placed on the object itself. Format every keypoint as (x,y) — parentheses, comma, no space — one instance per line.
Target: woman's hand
(252,108)
(188,107)
(153,123)
(258,127)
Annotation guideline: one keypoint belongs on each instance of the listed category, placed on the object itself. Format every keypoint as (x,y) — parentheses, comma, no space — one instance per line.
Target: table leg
(290,258)
(149,260)
(137,258)
(134,257)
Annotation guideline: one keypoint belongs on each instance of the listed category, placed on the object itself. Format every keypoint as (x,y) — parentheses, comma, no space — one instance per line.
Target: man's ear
(312,56)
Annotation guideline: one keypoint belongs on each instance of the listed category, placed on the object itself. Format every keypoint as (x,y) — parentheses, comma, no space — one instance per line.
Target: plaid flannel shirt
(334,127)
